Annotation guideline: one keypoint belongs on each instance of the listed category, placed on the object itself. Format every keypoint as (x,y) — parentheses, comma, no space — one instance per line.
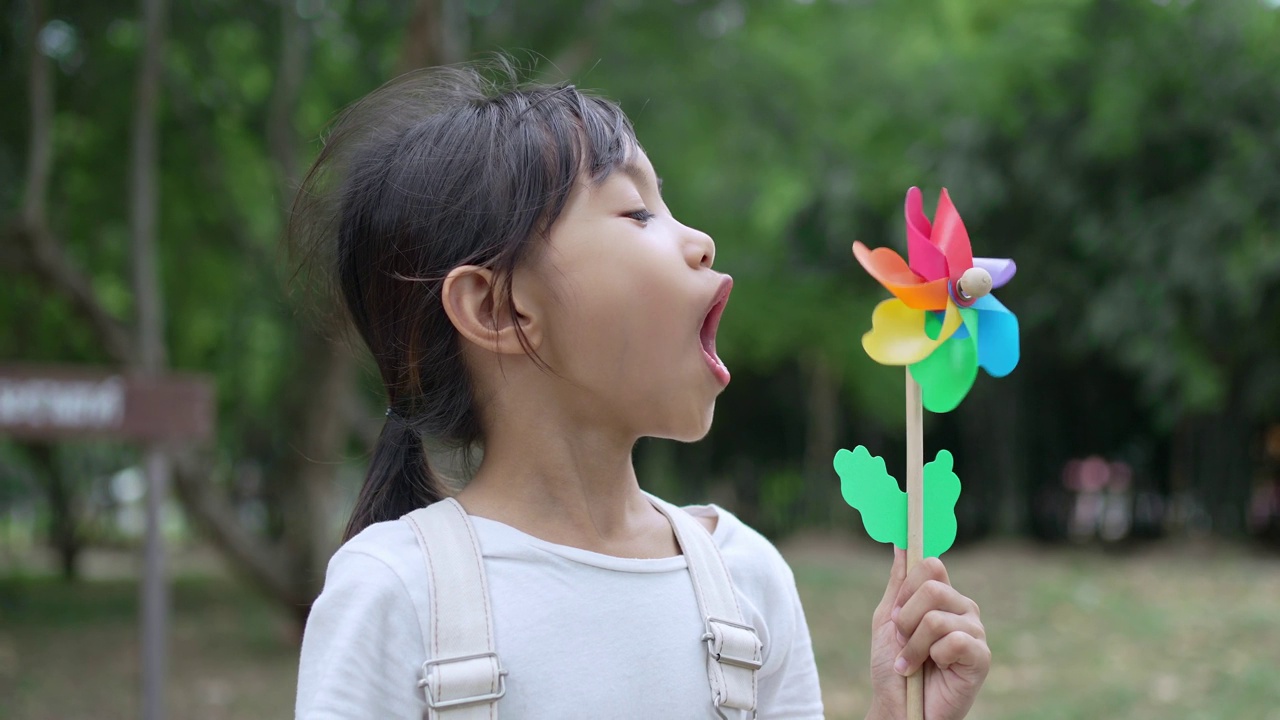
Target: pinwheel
(942,325)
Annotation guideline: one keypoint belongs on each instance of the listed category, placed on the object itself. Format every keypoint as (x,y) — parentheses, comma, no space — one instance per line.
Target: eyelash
(641,216)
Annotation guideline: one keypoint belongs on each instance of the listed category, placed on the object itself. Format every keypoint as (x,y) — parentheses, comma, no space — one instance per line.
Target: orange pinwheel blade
(891,271)
(898,335)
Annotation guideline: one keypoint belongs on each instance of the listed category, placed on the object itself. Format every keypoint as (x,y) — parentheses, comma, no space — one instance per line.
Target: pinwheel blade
(950,236)
(947,374)
(891,271)
(1000,269)
(998,348)
(898,335)
(924,257)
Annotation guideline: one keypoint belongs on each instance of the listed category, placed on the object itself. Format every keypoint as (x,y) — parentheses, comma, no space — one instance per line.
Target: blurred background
(1120,521)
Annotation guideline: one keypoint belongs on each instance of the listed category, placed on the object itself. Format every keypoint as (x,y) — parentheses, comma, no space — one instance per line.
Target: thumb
(897,575)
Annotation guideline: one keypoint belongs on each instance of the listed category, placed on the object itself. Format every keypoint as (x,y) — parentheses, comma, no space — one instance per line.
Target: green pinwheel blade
(869,488)
(947,374)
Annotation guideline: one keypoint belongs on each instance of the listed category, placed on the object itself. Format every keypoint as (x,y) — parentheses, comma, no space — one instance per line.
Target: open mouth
(707,335)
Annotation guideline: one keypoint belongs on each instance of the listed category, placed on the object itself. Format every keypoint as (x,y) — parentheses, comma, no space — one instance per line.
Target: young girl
(507,256)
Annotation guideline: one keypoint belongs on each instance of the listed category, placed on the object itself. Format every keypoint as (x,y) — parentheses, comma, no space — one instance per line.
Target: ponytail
(399,479)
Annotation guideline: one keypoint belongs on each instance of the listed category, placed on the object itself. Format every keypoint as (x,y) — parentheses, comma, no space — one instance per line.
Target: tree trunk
(1224,472)
(40,145)
(291,71)
(323,424)
(307,485)
(435,36)
(822,439)
(64,526)
(996,495)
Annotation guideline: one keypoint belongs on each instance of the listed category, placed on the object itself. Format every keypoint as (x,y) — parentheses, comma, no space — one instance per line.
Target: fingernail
(894,615)
(900,666)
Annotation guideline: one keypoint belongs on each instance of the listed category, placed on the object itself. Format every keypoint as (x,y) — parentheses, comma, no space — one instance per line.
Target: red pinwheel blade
(950,236)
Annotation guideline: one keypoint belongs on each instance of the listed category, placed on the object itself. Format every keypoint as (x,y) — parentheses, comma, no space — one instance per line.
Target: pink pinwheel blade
(951,238)
(924,258)
(1000,269)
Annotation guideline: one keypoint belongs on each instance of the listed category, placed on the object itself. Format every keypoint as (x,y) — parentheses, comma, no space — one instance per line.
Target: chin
(691,428)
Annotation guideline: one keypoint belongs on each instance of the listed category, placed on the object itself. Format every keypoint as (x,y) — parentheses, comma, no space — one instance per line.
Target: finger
(926,570)
(933,595)
(935,625)
(963,651)
(897,574)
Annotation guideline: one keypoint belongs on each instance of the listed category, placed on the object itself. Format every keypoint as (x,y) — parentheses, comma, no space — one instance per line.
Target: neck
(566,482)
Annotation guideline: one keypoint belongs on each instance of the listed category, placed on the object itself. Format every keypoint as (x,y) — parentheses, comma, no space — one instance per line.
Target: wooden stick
(915,519)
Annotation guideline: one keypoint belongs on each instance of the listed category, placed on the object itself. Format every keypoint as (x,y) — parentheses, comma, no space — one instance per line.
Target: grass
(70,652)
(1171,632)
(1168,633)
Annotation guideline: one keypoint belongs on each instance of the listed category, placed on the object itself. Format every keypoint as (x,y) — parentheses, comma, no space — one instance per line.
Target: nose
(699,248)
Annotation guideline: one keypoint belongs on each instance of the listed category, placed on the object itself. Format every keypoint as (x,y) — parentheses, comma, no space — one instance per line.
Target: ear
(479,309)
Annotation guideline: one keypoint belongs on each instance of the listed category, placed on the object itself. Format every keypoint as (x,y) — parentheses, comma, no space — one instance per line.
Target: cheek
(633,296)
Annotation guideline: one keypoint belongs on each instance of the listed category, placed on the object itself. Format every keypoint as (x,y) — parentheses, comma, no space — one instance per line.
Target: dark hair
(437,169)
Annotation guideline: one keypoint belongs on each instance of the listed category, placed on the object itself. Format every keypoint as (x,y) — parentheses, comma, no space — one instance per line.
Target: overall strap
(734,652)
(462,678)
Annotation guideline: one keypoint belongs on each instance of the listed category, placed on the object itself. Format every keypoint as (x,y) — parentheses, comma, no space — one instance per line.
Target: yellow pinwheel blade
(898,337)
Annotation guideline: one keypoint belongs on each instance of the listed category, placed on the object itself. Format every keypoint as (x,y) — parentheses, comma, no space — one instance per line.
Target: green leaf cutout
(869,488)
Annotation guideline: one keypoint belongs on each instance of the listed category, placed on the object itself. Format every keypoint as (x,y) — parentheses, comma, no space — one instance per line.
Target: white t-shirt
(583,635)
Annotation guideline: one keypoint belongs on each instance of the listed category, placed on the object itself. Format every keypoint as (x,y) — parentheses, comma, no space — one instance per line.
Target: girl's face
(635,306)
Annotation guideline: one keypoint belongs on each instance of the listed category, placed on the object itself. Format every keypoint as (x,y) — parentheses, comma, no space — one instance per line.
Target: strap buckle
(730,642)
(435,704)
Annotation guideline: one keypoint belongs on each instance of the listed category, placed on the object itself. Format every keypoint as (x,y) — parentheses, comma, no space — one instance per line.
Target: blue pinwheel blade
(998,349)
(932,328)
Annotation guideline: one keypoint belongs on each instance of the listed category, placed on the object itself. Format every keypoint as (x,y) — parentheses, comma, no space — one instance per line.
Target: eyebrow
(640,177)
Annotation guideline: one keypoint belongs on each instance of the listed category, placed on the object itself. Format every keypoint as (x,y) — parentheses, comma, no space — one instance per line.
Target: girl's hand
(923,621)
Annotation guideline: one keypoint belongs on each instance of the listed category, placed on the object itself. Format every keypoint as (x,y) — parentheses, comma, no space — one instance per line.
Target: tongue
(708,337)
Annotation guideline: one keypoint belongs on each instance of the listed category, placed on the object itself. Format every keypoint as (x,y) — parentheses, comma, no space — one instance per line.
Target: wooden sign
(47,402)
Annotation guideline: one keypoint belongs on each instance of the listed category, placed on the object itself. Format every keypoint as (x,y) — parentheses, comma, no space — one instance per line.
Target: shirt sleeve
(362,645)
(788,686)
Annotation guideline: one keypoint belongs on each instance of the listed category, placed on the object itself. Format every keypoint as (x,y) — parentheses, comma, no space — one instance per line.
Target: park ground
(1173,631)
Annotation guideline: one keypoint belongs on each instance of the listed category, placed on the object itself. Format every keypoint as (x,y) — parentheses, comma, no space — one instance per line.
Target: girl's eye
(642,215)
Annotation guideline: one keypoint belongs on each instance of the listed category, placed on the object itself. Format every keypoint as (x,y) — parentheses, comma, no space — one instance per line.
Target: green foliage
(1124,153)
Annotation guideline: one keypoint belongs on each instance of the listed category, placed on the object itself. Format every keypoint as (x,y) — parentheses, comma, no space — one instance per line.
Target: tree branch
(29,241)
(47,259)
(262,564)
